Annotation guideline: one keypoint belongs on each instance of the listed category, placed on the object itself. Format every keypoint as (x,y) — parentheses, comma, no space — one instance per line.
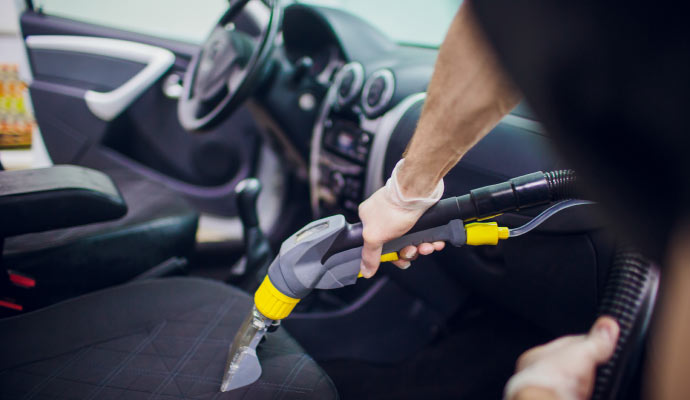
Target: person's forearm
(535,393)
(466,98)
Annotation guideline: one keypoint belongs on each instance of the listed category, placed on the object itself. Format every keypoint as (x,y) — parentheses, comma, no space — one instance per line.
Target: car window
(416,22)
(183,20)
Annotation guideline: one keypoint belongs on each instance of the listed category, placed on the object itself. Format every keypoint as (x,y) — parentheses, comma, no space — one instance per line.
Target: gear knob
(248,191)
(258,253)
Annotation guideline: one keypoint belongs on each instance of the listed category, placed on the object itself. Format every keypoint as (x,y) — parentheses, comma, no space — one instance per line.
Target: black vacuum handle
(525,191)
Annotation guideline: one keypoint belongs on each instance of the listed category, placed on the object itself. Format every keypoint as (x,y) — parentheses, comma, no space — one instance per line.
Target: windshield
(416,22)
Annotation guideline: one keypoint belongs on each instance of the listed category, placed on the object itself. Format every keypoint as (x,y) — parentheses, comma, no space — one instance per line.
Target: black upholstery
(157,339)
(67,262)
(36,200)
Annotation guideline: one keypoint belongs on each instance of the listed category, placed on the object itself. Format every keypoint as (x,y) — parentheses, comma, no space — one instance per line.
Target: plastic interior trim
(387,124)
(315,154)
(523,123)
(109,105)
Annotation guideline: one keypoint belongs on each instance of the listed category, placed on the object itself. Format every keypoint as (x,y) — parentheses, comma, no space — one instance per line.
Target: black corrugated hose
(629,298)
(562,184)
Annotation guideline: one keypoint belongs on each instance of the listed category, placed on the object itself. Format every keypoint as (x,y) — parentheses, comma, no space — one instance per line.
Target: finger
(408,253)
(371,258)
(563,342)
(402,264)
(603,338)
(425,249)
(438,246)
(537,352)
(527,358)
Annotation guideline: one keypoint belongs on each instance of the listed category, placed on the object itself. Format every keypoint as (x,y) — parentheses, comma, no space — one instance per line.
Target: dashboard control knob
(306,102)
(338,182)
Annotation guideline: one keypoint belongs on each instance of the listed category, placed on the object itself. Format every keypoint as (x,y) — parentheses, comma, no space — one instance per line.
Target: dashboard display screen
(345,138)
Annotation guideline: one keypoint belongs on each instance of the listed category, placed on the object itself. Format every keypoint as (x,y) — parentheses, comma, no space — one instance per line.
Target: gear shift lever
(258,253)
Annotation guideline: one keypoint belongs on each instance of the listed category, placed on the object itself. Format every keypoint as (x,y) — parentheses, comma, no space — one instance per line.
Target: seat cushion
(162,339)
(68,262)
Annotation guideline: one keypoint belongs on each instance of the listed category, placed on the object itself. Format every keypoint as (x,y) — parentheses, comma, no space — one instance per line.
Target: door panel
(102,99)
(58,67)
(105,105)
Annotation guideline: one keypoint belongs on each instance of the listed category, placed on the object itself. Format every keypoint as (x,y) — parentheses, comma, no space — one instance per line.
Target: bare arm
(536,393)
(669,362)
(467,96)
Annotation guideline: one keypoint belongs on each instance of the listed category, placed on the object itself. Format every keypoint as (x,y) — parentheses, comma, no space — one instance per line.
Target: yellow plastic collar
(271,303)
(390,257)
(480,233)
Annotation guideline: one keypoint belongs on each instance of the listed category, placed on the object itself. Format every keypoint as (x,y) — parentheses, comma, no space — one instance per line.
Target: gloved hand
(564,368)
(389,214)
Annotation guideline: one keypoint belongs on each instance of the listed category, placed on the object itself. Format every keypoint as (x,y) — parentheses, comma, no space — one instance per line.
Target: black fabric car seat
(159,225)
(154,339)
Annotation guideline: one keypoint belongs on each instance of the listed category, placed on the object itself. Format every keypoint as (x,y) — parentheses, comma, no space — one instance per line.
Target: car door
(106,78)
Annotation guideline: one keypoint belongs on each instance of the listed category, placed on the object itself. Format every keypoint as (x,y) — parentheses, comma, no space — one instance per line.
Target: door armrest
(56,197)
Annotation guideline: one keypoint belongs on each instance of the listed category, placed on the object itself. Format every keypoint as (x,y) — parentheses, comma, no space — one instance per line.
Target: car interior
(181,166)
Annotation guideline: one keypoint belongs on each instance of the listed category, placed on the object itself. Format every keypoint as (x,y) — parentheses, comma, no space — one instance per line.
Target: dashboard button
(351,205)
(365,138)
(338,182)
(307,102)
(353,188)
(362,153)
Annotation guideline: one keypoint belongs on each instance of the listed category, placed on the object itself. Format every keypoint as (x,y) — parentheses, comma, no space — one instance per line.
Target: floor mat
(472,362)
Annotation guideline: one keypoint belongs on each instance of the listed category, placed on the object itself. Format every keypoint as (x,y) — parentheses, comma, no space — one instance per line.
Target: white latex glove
(389,214)
(566,366)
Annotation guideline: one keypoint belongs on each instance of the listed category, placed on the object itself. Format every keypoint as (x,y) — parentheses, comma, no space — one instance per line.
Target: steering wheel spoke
(227,68)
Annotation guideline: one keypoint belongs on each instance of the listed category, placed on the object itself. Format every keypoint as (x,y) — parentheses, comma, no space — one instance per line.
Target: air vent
(377,92)
(349,82)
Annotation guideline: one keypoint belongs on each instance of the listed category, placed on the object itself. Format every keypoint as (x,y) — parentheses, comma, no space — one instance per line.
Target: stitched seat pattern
(179,357)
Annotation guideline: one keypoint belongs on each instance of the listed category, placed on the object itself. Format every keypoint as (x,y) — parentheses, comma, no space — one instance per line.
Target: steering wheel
(229,65)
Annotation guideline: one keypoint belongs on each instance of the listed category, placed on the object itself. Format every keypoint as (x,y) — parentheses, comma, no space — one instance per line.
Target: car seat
(154,338)
(158,226)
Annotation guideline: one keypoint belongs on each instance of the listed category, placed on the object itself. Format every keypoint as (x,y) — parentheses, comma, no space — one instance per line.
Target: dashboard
(374,93)
(366,88)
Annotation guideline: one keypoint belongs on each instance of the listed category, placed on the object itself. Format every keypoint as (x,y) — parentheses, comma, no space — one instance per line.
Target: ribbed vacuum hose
(561,184)
(629,297)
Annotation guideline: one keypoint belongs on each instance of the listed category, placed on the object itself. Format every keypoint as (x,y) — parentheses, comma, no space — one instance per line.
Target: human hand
(387,215)
(564,368)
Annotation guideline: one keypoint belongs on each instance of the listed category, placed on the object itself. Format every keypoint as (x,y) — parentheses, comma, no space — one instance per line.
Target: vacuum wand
(326,254)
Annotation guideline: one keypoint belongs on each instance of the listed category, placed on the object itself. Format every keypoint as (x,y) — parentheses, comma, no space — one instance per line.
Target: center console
(341,167)
(350,138)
